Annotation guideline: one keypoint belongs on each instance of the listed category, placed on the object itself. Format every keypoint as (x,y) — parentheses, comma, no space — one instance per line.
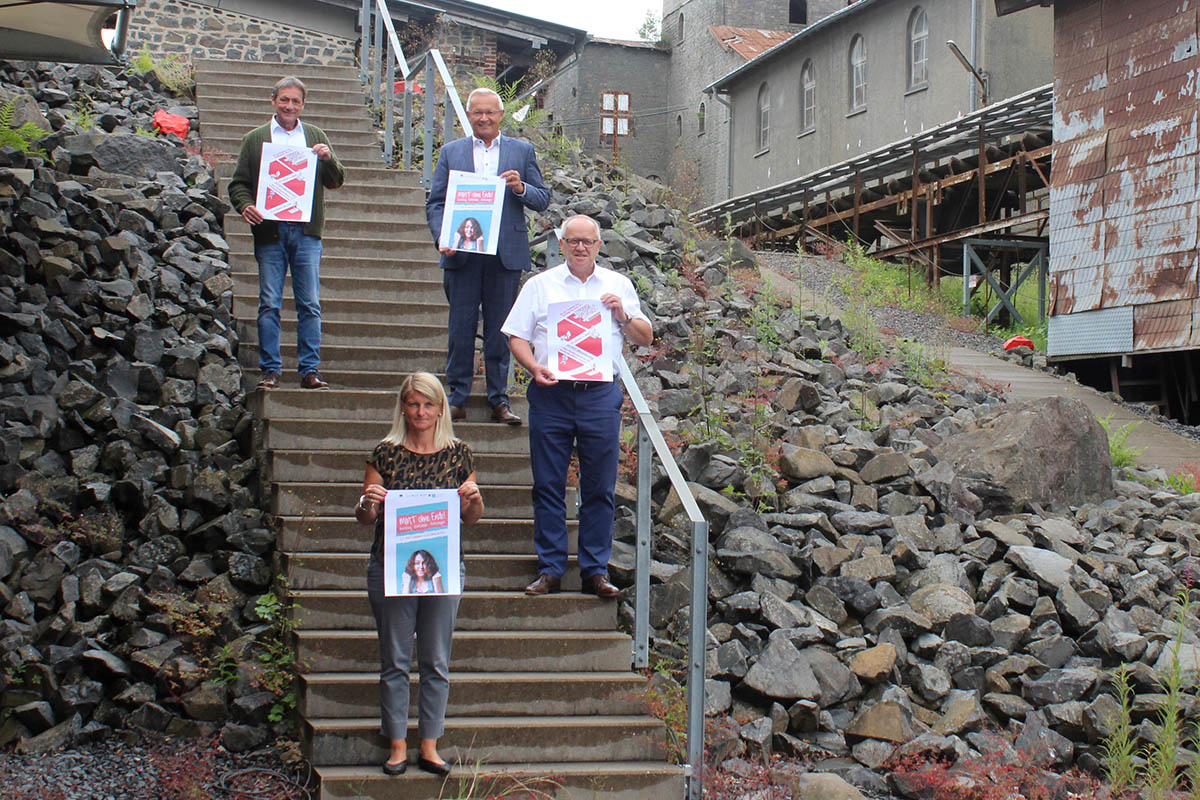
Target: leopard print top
(401,468)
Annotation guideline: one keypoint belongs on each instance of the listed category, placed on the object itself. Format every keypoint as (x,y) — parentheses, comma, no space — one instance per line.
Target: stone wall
(197,30)
(468,51)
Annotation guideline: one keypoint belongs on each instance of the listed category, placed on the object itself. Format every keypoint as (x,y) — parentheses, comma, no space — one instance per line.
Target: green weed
(1118,448)
(23,138)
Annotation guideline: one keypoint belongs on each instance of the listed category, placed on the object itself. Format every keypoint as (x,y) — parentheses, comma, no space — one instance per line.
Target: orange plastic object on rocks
(171,123)
(1018,341)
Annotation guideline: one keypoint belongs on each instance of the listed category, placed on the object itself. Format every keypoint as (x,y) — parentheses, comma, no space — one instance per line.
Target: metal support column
(696,642)
(389,95)
(427,127)
(641,604)
(377,61)
(364,46)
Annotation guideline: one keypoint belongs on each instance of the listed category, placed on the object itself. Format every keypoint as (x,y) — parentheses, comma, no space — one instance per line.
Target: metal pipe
(121,34)
(406,134)
(376,65)
(698,635)
(364,25)
(728,147)
(389,94)
(641,578)
(427,127)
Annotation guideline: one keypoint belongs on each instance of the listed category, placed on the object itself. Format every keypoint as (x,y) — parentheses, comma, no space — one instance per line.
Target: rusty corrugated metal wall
(1123,202)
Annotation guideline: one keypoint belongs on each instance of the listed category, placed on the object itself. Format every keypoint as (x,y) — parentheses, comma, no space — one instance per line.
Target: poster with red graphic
(286,180)
(579,339)
(421,545)
(471,218)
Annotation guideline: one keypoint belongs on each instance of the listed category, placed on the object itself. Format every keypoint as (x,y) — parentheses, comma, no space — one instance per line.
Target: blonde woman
(420,452)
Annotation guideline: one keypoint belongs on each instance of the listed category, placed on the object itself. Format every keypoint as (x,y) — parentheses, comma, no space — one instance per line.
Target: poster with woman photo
(471,218)
(421,544)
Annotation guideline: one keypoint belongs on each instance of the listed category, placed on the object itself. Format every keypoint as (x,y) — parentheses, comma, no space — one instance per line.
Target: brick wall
(197,30)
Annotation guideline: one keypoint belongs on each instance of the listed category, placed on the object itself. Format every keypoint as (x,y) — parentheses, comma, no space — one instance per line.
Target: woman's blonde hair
(425,384)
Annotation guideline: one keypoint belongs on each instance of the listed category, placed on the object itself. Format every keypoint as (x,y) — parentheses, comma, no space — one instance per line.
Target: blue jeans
(302,253)
(585,418)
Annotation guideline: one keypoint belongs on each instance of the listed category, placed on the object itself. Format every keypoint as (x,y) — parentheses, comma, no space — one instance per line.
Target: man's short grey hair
(574,217)
(289,82)
(483,91)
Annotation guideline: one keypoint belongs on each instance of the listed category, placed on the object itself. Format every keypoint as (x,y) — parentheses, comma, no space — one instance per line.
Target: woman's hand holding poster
(421,542)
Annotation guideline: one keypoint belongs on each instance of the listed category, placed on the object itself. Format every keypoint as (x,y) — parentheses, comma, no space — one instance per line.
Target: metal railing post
(364,29)
(406,134)
(428,126)
(389,95)
(376,61)
(696,642)
(448,120)
(641,596)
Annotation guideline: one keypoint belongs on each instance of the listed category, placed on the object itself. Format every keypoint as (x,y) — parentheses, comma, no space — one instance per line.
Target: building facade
(870,74)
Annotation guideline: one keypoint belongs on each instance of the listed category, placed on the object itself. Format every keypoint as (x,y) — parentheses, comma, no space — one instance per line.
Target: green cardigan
(243,186)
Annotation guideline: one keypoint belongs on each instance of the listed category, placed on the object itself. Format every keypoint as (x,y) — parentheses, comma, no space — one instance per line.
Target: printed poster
(579,336)
(286,182)
(471,218)
(421,545)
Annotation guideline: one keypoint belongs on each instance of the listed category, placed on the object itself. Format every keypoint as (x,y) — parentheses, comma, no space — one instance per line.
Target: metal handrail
(386,56)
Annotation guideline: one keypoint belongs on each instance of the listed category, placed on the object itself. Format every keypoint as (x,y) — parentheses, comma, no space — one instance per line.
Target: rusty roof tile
(747,42)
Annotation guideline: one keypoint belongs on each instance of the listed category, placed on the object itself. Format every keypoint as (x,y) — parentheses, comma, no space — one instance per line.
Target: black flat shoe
(395,769)
(433,766)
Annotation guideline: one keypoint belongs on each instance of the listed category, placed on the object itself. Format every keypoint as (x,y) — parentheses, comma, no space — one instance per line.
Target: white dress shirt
(281,135)
(529,313)
(487,157)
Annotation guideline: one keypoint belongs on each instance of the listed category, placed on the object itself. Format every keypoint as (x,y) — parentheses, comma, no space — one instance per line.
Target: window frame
(763,117)
(858,73)
(808,97)
(916,81)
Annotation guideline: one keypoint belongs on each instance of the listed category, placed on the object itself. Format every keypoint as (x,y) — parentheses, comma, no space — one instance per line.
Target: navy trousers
(479,281)
(585,417)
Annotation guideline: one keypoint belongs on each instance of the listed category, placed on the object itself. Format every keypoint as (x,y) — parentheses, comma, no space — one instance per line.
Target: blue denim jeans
(302,254)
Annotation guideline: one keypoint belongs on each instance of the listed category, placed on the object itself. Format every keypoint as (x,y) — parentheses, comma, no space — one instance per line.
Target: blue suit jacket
(513,248)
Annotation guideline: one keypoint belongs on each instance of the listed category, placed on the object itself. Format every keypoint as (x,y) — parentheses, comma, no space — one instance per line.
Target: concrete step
(333,287)
(352,130)
(394,359)
(306,434)
(374,268)
(268,71)
(364,174)
(628,780)
(343,211)
(478,651)
(335,695)
(356,741)
(343,404)
(292,466)
(397,230)
(486,572)
(357,152)
(343,243)
(245,307)
(353,334)
(337,499)
(327,534)
(479,611)
(217,98)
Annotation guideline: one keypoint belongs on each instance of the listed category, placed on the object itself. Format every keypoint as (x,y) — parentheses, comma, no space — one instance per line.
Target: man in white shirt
(475,281)
(283,246)
(580,415)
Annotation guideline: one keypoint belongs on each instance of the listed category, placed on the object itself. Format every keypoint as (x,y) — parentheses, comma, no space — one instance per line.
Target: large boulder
(1047,452)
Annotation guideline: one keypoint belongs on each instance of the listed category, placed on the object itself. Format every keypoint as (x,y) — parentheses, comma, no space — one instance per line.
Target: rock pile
(899,558)
(130,537)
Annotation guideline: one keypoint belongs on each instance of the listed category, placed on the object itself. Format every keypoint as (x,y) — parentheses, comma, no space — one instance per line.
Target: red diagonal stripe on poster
(592,345)
(569,328)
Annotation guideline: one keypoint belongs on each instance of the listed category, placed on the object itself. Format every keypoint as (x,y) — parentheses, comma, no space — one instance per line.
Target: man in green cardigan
(280,246)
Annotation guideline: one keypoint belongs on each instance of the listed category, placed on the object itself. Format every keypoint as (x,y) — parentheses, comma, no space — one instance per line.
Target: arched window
(678,125)
(764,109)
(797,12)
(918,48)
(808,97)
(858,73)
(700,120)
(679,28)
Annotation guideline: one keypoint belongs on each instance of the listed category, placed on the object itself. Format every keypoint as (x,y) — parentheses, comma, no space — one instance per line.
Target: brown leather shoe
(599,586)
(269,380)
(312,380)
(457,413)
(545,584)
(502,413)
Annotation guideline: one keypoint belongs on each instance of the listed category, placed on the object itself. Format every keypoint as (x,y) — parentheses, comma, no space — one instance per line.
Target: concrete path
(1160,446)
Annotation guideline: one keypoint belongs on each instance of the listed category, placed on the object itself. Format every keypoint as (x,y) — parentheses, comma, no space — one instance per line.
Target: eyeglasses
(573,242)
(496,113)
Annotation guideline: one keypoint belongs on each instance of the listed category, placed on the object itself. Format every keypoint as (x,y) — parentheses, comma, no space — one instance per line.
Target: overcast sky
(612,19)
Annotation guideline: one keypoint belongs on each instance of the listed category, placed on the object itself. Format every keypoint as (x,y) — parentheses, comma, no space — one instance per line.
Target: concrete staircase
(540,687)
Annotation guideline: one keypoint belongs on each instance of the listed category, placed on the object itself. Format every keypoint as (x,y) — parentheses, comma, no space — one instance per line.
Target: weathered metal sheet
(1162,326)
(1125,121)
(1108,330)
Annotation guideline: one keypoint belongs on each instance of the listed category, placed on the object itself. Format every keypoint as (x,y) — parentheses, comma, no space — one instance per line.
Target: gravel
(154,767)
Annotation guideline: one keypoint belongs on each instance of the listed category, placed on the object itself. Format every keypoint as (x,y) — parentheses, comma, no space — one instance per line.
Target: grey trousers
(397,619)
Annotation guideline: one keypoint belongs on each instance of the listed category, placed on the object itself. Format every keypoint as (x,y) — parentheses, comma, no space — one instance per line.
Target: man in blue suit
(475,280)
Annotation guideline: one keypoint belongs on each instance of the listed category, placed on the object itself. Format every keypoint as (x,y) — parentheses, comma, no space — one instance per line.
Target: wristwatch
(362,503)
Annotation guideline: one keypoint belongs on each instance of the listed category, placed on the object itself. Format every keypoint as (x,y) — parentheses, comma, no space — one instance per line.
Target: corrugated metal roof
(747,42)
